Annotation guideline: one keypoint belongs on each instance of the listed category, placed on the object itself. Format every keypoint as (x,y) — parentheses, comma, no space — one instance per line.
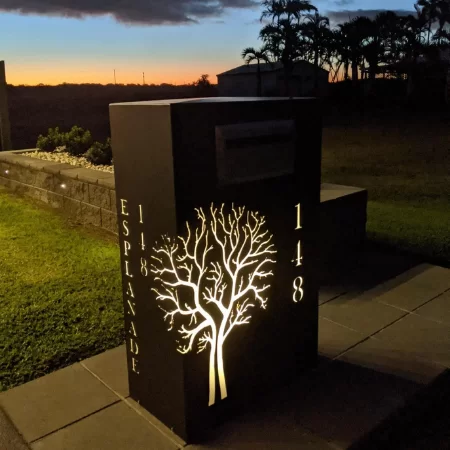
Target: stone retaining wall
(89,196)
(86,195)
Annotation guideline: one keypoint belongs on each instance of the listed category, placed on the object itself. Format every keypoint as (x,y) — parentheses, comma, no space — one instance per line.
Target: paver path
(384,342)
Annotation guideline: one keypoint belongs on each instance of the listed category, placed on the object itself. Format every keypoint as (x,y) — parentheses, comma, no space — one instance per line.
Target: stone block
(5,182)
(89,175)
(23,174)
(15,158)
(112,195)
(99,196)
(108,181)
(39,164)
(90,214)
(75,189)
(5,157)
(109,220)
(4,166)
(72,207)
(55,200)
(17,187)
(343,215)
(57,168)
(44,180)
(34,192)
(41,194)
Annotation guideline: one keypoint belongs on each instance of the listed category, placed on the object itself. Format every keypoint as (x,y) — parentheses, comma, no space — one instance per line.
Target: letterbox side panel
(141,137)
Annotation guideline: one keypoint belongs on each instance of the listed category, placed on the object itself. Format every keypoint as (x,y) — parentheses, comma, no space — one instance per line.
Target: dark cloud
(146,12)
(346,15)
(344,2)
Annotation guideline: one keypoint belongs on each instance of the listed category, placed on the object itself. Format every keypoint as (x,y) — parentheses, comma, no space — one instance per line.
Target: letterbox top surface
(209,100)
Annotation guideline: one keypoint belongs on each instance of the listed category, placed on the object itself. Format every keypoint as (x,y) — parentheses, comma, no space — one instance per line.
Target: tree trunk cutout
(207,282)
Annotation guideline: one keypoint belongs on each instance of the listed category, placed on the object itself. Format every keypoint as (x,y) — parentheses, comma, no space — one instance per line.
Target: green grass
(60,292)
(405,165)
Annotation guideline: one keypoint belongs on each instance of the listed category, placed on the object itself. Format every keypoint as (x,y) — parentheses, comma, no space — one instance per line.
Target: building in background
(242,81)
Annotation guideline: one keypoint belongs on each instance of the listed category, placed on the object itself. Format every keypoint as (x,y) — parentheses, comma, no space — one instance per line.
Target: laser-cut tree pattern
(208,282)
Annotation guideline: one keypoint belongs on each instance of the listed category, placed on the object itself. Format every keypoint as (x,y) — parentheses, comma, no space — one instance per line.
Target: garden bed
(61,156)
(85,194)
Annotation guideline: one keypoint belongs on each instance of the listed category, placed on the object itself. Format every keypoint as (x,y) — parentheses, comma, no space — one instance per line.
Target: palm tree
(341,46)
(281,36)
(273,9)
(356,32)
(316,29)
(249,54)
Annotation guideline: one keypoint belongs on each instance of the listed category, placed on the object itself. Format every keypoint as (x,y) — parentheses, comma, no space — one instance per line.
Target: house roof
(265,67)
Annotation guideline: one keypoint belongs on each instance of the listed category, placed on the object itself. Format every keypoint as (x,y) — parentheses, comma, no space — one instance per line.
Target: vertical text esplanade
(130,297)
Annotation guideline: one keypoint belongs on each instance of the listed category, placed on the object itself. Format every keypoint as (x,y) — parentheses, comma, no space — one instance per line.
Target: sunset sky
(172,41)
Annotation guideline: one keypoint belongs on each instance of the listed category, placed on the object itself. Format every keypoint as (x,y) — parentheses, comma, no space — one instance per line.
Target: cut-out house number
(132,332)
(298,281)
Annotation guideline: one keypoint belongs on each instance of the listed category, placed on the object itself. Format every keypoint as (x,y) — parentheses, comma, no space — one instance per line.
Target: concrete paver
(365,316)
(423,338)
(111,368)
(340,402)
(383,356)
(335,339)
(327,293)
(264,433)
(155,423)
(116,427)
(419,290)
(437,309)
(54,401)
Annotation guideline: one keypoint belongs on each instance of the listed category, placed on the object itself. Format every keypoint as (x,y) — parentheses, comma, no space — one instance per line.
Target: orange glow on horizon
(54,74)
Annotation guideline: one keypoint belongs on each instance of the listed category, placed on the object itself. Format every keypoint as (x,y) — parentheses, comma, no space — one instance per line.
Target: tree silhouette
(316,30)
(208,282)
(249,54)
(282,34)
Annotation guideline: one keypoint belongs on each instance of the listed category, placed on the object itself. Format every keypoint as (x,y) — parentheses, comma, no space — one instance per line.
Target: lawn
(60,292)
(405,165)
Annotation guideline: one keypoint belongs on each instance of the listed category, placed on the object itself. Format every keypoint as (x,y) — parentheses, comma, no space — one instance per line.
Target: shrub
(50,142)
(77,141)
(100,153)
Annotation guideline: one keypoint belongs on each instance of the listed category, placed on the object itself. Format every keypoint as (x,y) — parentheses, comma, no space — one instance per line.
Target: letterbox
(217,203)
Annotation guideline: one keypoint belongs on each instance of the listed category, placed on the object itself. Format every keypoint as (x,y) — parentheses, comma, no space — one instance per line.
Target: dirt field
(35,109)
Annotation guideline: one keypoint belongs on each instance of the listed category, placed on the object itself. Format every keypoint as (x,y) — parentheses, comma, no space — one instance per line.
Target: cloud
(346,15)
(344,2)
(132,12)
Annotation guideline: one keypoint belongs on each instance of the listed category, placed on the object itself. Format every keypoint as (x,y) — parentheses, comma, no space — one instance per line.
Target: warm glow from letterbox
(222,264)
